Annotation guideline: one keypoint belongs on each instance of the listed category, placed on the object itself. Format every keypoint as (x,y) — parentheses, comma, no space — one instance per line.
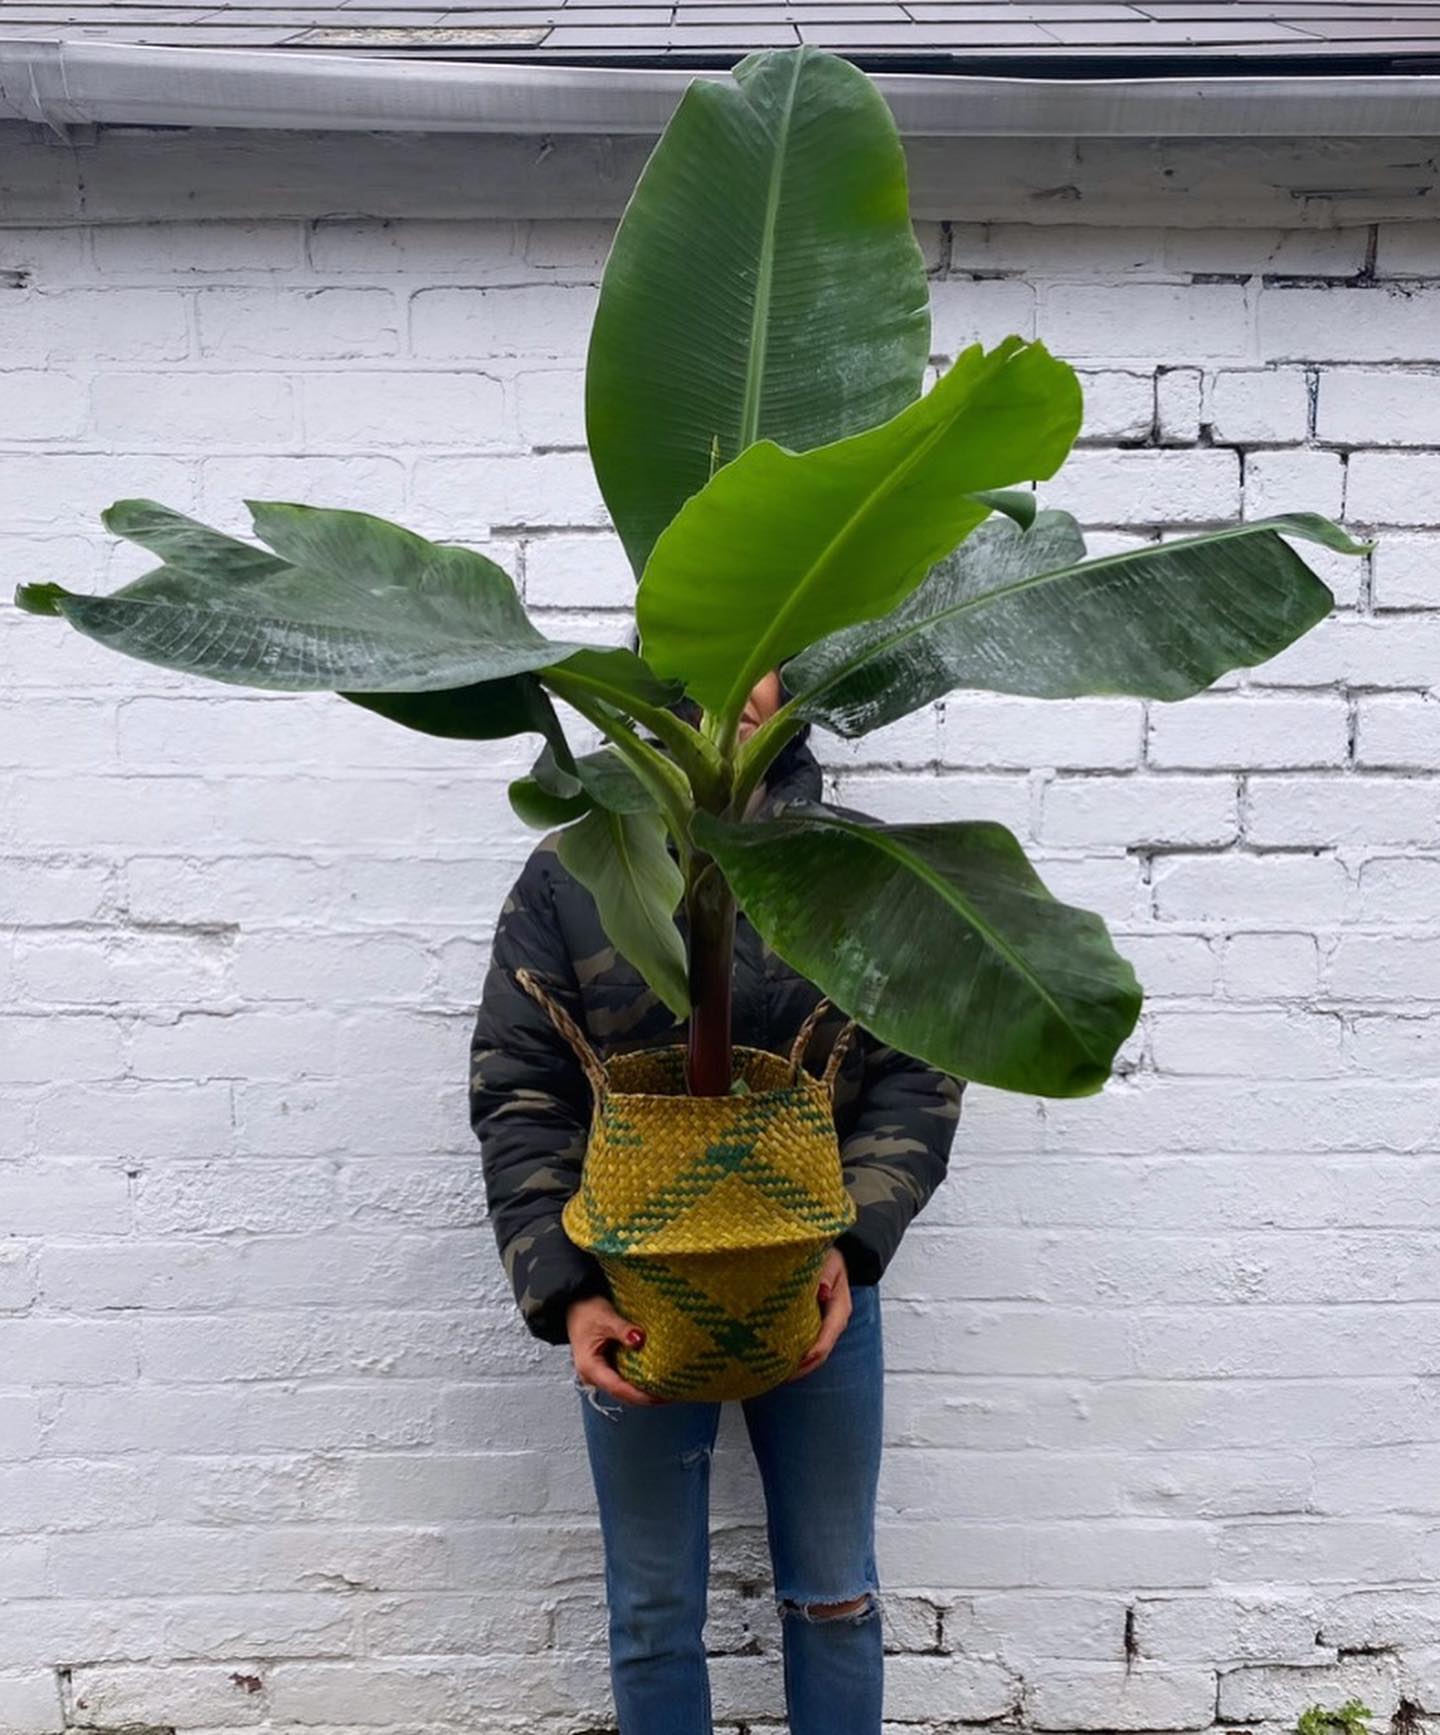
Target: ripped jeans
(817,1444)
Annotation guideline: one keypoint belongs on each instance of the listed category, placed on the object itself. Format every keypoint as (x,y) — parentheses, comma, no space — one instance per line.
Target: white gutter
(61,84)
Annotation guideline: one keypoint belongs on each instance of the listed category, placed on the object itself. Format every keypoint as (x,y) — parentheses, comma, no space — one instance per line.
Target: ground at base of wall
(1418,1724)
(1408,1722)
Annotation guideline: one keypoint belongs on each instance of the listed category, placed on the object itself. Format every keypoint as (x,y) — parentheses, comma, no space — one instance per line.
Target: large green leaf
(619,676)
(1016,611)
(764,284)
(1017,503)
(341,601)
(940,939)
(780,548)
(187,544)
(479,711)
(346,544)
(350,545)
(483,711)
(622,860)
(555,794)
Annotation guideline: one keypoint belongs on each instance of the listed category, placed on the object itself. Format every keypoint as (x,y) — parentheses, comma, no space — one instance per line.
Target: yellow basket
(710,1215)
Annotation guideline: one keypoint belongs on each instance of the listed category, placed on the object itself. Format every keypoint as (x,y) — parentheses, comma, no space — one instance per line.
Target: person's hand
(593,1325)
(833,1291)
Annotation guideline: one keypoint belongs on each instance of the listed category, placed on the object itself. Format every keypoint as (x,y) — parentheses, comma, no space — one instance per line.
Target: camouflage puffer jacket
(530,1104)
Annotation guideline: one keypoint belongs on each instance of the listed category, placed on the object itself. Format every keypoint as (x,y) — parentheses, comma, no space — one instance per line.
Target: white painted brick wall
(1164,1436)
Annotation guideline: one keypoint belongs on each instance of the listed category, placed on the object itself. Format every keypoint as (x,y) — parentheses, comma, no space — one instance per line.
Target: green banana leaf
(1017,503)
(940,939)
(620,676)
(350,545)
(483,711)
(778,548)
(764,284)
(1015,611)
(187,544)
(346,601)
(622,859)
(554,793)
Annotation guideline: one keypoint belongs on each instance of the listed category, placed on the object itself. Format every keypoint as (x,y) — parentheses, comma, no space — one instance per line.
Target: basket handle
(837,1051)
(591,1062)
(599,1079)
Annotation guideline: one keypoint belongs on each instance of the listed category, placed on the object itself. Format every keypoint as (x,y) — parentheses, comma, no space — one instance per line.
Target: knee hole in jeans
(857,1608)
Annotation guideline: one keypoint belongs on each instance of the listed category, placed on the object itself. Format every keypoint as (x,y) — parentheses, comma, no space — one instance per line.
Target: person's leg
(817,1442)
(651,1469)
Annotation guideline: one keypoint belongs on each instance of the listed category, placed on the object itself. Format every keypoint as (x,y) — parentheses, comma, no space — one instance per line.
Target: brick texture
(1164,1445)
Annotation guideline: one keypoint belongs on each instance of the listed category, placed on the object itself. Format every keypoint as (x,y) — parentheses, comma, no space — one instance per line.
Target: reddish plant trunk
(710,918)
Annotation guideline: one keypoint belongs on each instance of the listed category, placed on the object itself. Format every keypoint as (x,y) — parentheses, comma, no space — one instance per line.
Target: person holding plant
(817,1435)
(815,538)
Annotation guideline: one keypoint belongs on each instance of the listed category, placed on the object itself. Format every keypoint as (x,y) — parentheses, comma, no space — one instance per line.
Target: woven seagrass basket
(710,1215)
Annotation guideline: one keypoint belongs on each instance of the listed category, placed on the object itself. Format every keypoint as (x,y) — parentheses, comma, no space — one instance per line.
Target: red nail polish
(634,1337)
(824,1292)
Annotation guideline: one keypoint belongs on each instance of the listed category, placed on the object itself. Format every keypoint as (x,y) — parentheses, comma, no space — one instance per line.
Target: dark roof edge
(62,84)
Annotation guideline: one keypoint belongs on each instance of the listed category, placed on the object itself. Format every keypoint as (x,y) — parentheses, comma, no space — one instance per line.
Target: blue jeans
(817,1444)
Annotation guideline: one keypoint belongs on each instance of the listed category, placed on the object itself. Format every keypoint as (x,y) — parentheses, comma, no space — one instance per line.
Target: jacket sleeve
(896,1154)
(530,1106)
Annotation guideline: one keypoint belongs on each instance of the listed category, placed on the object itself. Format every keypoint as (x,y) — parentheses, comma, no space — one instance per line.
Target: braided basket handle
(570,1030)
(837,1051)
(599,1079)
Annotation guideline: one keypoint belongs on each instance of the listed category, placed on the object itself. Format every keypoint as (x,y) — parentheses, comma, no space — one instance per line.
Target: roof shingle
(1035,37)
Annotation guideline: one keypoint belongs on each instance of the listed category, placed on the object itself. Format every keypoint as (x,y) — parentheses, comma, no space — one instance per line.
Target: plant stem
(695,755)
(710,918)
(660,775)
(709,901)
(754,758)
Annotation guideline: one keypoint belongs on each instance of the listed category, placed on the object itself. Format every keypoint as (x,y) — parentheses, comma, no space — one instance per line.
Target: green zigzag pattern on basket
(735,1146)
(735,1339)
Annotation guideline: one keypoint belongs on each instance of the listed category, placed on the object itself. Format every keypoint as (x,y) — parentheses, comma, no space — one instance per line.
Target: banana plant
(790,497)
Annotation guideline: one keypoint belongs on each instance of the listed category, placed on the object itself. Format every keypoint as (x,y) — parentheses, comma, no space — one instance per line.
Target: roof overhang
(63,84)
